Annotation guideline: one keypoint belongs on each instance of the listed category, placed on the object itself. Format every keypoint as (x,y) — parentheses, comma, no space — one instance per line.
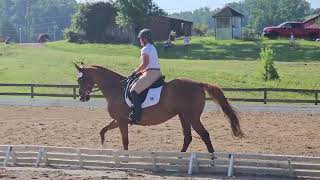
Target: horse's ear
(78,67)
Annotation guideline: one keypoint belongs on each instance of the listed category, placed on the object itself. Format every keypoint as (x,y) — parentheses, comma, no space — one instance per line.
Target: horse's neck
(108,82)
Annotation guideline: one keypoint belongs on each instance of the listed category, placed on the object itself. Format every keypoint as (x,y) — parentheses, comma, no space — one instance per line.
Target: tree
(266,60)
(200,29)
(38,16)
(274,12)
(293,10)
(260,13)
(7,30)
(51,16)
(93,20)
(201,18)
(134,14)
(246,8)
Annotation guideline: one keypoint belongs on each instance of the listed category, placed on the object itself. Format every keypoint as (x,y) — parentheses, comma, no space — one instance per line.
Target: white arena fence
(228,164)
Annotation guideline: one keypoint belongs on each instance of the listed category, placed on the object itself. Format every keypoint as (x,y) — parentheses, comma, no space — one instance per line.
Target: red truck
(297,28)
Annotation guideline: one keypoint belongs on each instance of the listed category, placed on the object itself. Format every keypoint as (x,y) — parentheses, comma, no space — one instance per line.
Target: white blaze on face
(79,74)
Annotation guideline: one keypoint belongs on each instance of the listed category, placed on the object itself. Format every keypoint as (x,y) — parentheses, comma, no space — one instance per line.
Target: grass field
(231,63)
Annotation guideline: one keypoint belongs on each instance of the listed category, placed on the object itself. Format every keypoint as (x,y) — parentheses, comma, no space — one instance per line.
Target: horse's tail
(217,95)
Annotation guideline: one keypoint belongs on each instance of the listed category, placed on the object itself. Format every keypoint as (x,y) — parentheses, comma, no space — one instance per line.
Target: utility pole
(20,34)
(28,19)
(54,32)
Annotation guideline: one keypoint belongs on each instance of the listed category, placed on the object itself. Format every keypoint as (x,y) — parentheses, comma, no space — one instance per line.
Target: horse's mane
(106,70)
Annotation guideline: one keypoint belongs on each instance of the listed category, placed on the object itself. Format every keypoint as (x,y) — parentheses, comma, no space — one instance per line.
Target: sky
(171,6)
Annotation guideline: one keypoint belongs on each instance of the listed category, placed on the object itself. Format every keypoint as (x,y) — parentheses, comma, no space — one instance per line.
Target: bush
(248,33)
(91,21)
(72,36)
(42,38)
(266,60)
(200,29)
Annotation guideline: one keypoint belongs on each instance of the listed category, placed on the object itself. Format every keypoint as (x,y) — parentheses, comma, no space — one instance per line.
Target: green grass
(231,63)
(209,49)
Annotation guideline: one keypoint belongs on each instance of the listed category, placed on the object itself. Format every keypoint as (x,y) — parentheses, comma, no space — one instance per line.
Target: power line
(6,34)
(44,24)
(50,17)
(3,30)
(49,23)
(44,27)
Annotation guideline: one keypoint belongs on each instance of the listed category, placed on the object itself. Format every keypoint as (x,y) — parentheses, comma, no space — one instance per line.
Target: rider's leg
(135,115)
(145,81)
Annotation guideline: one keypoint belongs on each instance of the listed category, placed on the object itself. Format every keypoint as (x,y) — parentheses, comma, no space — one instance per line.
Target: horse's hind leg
(203,133)
(186,129)
(113,124)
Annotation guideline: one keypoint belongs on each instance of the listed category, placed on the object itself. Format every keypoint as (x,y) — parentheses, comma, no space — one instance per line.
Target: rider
(150,70)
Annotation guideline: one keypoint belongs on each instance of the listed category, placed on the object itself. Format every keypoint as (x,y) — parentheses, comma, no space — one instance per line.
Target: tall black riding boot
(135,115)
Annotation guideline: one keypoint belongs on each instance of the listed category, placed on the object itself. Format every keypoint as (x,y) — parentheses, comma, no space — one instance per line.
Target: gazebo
(228,23)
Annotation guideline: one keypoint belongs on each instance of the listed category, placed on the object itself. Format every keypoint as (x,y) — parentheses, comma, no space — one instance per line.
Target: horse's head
(85,82)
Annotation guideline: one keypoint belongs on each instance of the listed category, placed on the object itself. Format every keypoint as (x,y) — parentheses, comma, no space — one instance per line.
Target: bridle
(81,78)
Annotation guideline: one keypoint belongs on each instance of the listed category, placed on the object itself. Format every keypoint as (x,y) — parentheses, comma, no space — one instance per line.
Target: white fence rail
(229,164)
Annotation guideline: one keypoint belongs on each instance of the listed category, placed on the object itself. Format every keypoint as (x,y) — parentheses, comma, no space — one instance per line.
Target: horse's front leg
(123,126)
(113,124)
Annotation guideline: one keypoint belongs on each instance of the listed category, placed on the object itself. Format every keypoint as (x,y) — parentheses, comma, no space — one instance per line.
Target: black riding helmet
(145,33)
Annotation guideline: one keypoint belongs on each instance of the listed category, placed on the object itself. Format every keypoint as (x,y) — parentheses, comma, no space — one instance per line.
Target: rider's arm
(144,64)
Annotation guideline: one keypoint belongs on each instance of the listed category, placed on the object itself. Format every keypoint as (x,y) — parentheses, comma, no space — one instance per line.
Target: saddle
(142,96)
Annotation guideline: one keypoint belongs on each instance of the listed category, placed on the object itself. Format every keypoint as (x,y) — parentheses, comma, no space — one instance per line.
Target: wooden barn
(313,22)
(228,23)
(161,26)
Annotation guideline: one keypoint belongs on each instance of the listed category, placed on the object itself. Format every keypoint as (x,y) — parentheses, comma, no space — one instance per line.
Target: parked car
(297,28)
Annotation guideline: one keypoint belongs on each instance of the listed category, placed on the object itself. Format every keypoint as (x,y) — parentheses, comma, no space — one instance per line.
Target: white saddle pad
(153,97)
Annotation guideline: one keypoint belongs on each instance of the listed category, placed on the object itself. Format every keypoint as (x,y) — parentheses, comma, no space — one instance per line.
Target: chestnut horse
(182,97)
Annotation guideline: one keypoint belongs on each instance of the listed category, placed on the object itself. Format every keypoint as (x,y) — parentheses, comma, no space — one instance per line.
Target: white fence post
(290,166)
(193,161)
(8,153)
(13,156)
(231,162)
(45,157)
(116,158)
(153,158)
(80,158)
(39,156)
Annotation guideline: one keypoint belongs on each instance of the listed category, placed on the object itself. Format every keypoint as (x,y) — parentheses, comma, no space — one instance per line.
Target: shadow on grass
(215,50)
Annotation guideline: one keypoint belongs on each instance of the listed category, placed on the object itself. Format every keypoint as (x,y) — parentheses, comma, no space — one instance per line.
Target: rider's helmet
(145,33)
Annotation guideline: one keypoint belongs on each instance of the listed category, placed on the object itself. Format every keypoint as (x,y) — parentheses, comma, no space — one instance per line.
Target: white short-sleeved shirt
(153,56)
(186,40)
(292,37)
